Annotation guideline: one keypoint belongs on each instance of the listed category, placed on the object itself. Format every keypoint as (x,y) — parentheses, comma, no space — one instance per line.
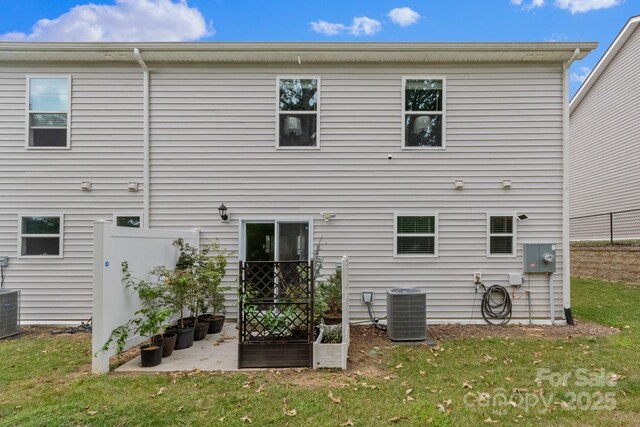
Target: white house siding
(213,141)
(605,146)
(213,138)
(106,149)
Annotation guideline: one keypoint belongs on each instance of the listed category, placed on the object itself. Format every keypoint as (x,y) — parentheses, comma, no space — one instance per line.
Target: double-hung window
(40,235)
(415,235)
(48,112)
(423,117)
(298,107)
(501,235)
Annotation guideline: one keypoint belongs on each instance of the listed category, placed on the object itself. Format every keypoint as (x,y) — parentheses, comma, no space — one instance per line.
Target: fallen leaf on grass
(408,391)
(396,419)
(399,366)
(92,412)
(347,423)
(562,405)
(467,385)
(423,373)
(333,398)
(160,391)
(489,420)
(612,379)
(291,413)
(520,390)
(246,419)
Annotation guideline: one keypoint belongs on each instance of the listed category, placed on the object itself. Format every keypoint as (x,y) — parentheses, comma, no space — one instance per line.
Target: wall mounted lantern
(223,213)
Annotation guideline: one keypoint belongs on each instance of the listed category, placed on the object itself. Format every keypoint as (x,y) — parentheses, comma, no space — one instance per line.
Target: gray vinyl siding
(213,140)
(605,140)
(106,149)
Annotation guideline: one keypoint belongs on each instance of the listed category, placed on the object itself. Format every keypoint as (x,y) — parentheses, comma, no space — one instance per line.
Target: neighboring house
(605,143)
(411,158)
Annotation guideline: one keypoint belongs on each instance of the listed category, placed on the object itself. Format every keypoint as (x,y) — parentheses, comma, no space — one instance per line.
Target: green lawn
(43,381)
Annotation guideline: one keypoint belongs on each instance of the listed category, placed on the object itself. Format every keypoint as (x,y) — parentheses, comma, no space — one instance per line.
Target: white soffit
(293,52)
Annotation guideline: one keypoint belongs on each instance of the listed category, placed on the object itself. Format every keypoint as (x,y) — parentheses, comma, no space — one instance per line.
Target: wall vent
(407,314)
(9,312)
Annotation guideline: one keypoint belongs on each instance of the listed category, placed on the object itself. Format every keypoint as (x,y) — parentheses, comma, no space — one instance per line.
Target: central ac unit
(9,312)
(407,314)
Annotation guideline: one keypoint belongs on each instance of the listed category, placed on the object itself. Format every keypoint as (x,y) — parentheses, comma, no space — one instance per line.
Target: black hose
(496,305)
(374,319)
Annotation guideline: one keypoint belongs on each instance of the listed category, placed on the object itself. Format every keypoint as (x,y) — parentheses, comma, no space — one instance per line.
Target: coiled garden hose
(496,305)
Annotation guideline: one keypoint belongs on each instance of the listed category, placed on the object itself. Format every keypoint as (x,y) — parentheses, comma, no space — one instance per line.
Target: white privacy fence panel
(113,303)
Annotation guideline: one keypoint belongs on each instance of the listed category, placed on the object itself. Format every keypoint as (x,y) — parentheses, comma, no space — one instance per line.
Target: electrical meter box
(539,257)
(4,261)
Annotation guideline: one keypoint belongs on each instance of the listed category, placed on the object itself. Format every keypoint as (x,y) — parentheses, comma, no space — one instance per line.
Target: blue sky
(327,20)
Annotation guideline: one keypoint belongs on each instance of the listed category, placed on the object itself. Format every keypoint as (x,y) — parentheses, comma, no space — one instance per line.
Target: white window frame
(121,214)
(514,234)
(396,235)
(442,113)
(60,235)
(28,112)
(317,112)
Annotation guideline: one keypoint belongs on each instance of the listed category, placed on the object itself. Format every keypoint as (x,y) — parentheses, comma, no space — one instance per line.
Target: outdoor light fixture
(86,186)
(223,213)
(458,184)
(327,216)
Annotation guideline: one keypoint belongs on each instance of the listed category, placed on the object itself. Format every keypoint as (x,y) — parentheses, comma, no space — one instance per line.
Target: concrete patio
(217,352)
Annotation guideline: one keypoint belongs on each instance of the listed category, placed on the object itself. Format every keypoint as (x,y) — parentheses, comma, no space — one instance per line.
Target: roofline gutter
(566,243)
(146,196)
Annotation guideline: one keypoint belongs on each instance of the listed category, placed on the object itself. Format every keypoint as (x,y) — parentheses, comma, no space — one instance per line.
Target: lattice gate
(276,319)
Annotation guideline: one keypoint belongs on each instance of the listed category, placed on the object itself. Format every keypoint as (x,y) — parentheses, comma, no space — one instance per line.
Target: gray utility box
(539,257)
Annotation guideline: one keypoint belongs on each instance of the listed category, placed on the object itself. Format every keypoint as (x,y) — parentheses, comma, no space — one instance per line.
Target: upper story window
(424,113)
(48,112)
(415,235)
(502,235)
(298,112)
(40,235)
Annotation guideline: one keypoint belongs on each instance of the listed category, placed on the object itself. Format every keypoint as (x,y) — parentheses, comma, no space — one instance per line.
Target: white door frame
(272,220)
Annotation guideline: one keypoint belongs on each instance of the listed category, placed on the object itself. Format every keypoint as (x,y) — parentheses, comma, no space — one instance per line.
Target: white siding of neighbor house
(605,140)
(213,141)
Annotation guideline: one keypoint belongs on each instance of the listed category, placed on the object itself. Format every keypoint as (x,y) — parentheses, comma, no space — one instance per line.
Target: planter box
(329,355)
(274,355)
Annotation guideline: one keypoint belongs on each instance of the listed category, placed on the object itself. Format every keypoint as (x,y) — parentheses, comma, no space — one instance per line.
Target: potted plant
(149,321)
(330,293)
(210,271)
(177,290)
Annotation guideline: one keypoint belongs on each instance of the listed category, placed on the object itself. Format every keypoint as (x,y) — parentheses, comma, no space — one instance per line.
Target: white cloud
(126,20)
(581,6)
(327,28)
(404,16)
(360,26)
(363,26)
(581,74)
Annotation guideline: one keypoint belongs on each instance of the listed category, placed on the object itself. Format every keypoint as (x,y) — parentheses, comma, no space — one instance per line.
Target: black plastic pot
(332,319)
(168,343)
(150,355)
(215,324)
(201,330)
(184,337)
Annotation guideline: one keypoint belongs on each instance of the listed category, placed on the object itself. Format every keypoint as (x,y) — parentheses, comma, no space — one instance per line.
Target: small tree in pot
(176,296)
(148,322)
(329,293)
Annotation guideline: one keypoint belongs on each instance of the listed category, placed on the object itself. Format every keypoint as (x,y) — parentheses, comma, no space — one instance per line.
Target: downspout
(566,250)
(145,101)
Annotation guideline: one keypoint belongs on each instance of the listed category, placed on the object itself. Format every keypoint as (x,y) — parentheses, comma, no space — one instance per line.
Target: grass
(43,381)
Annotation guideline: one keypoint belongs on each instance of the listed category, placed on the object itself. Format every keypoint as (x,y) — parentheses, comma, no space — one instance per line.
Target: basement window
(423,118)
(128,220)
(415,235)
(298,107)
(40,236)
(48,112)
(501,235)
